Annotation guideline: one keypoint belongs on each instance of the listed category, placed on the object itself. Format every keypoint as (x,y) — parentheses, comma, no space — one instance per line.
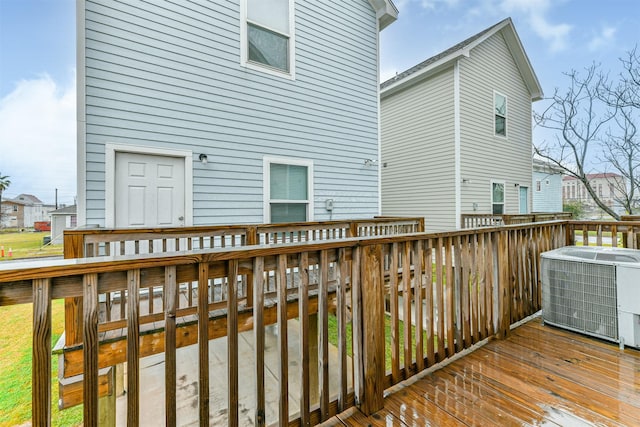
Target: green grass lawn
(26,244)
(15,365)
(333,338)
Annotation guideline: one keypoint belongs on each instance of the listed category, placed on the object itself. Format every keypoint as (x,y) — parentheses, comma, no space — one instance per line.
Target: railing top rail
(236,227)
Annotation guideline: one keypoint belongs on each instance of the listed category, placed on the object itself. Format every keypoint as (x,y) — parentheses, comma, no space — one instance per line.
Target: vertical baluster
(461,277)
(406,309)
(133,347)
(258,332)
(232,339)
(450,309)
(90,345)
(303,316)
(464,291)
(283,348)
(203,342)
(417,287)
(41,353)
(428,278)
(341,282)
(395,315)
(323,336)
(171,305)
(439,302)
(482,284)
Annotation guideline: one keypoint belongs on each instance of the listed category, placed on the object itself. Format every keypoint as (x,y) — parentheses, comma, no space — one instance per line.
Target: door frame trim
(110,177)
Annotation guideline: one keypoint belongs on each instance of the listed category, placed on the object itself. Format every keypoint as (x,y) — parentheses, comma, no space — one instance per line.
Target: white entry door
(149,190)
(524,200)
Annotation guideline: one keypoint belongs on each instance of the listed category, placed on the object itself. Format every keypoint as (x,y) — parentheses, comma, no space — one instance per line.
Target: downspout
(456,142)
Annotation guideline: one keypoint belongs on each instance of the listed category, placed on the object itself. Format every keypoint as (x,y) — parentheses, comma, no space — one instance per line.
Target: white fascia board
(447,61)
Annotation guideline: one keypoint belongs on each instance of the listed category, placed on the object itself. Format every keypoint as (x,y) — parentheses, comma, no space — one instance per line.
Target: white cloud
(536,12)
(38,139)
(603,39)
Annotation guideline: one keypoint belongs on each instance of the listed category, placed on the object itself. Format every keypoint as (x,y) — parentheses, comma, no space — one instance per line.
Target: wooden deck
(540,375)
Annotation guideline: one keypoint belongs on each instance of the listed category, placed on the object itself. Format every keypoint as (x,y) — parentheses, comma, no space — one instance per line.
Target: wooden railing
(454,289)
(624,234)
(92,242)
(491,220)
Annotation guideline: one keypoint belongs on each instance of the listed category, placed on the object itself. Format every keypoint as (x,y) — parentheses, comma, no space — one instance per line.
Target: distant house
(456,131)
(228,111)
(547,187)
(608,186)
(62,219)
(23,211)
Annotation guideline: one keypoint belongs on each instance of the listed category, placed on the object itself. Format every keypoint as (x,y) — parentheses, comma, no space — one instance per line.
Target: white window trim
(504,203)
(110,177)
(506,116)
(539,185)
(244,51)
(266,179)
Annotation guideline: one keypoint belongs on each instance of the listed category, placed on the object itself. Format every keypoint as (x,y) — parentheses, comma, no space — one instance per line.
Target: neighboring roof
(546,167)
(447,57)
(593,176)
(386,12)
(28,199)
(68,210)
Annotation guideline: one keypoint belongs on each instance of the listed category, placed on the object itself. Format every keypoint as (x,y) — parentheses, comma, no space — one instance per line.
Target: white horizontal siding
(549,198)
(168,75)
(418,151)
(485,156)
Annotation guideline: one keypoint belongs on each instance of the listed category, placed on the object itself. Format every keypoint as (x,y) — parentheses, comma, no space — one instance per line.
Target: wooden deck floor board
(568,372)
(540,375)
(581,357)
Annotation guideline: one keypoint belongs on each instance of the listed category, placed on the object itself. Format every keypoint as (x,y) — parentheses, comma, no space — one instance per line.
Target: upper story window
(538,185)
(268,35)
(500,113)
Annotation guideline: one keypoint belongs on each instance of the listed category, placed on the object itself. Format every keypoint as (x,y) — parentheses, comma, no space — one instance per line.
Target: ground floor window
(288,190)
(497,198)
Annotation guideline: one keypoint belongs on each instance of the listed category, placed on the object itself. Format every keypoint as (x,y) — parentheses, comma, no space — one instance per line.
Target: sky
(37,66)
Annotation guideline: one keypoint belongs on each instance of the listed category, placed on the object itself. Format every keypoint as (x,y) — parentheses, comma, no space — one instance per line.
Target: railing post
(252,239)
(353,229)
(504,286)
(73,247)
(370,371)
(570,234)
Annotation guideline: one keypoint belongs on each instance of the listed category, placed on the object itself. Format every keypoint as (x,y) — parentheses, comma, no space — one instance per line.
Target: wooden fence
(454,289)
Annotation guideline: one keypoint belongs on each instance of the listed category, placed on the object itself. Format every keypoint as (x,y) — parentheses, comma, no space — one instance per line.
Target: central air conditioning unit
(593,290)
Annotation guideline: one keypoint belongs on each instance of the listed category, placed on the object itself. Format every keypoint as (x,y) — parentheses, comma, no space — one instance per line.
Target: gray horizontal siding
(485,156)
(418,150)
(168,75)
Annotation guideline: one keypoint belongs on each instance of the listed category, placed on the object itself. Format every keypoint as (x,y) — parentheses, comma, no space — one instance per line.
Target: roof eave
(418,76)
(386,12)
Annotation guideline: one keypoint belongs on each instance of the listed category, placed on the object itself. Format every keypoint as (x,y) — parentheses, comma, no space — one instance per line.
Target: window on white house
(500,107)
(289,192)
(268,33)
(538,185)
(497,198)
